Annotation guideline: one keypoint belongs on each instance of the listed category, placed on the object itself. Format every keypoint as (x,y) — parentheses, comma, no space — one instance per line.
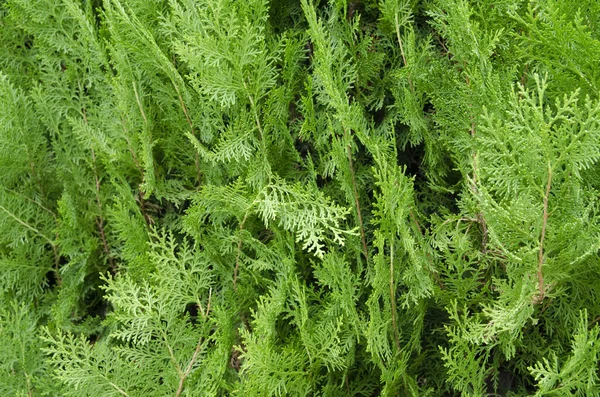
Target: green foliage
(343,198)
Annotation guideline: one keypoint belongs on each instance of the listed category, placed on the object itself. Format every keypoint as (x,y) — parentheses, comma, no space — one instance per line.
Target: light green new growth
(299,198)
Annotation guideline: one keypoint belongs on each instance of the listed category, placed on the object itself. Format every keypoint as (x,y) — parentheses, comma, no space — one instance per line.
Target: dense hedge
(256,198)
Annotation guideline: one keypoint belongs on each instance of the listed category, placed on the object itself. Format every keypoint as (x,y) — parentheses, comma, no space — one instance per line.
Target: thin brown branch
(484,231)
(524,75)
(139,199)
(56,262)
(131,151)
(475,162)
(416,222)
(446,51)
(540,275)
(480,217)
(357,201)
(189,367)
(100,218)
(189,121)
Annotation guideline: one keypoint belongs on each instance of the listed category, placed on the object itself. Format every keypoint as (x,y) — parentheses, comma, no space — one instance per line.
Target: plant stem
(188,369)
(356,199)
(100,218)
(545,215)
(189,121)
(393,297)
(237,255)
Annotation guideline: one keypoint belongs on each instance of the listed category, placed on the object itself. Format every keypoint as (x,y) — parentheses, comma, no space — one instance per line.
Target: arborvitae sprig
(299,198)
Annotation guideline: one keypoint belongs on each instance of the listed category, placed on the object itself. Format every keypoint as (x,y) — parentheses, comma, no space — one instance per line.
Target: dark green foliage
(256,198)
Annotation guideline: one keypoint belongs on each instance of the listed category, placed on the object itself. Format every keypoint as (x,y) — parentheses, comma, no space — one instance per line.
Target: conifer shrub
(268,198)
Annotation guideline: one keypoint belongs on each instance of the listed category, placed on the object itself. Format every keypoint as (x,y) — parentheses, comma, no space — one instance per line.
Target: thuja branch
(545,214)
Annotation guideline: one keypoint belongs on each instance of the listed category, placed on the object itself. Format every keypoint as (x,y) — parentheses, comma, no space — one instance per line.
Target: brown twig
(100,219)
(446,51)
(139,199)
(189,121)
(524,75)
(133,155)
(480,217)
(356,200)
(596,320)
(484,230)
